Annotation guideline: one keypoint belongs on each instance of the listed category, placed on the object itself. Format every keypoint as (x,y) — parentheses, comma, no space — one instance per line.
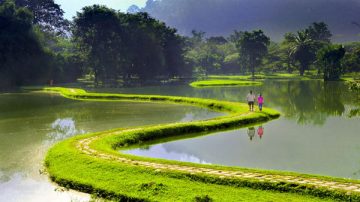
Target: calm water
(31,123)
(316,133)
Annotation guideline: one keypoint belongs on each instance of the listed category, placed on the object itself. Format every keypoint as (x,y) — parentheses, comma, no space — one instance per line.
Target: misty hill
(275,17)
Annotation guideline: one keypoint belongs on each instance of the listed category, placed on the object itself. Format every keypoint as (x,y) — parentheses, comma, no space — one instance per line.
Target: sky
(72,6)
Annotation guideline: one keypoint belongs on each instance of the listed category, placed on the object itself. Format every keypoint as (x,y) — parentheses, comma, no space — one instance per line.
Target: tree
(330,58)
(98,32)
(128,46)
(22,58)
(274,59)
(253,47)
(286,51)
(47,14)
(302,49)
(218,40)
(351,60)
(320,32)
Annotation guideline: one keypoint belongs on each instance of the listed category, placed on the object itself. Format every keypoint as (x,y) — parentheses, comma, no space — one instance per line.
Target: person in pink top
(260,100)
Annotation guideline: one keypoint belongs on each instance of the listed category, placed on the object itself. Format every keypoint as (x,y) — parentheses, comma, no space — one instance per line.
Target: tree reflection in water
(312,102)
(62,129)
(308,102)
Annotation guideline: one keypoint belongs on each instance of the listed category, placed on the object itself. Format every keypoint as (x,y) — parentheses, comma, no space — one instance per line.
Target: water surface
(31,123)
(316,133)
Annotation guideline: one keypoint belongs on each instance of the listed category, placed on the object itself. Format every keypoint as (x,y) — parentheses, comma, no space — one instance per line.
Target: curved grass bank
(92,163)
(277,76)
(214,83)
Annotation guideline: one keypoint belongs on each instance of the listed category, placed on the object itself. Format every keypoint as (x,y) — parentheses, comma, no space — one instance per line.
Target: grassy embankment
(101,172)
(246,80)
(261,76)
(214,83)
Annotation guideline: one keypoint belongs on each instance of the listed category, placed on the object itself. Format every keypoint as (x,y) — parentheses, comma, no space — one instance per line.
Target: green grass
(213,83)
(261,76)
(71,168)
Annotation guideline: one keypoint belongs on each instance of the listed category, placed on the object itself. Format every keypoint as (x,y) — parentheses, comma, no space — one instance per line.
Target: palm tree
(302,49)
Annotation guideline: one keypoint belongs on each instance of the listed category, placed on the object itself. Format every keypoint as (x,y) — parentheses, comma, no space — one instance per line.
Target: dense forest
(109,48)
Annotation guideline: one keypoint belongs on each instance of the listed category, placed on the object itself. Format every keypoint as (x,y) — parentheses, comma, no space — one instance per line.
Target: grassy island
(214,83)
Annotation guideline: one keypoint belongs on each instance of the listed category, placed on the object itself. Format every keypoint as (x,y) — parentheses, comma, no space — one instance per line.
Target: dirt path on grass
(350,188)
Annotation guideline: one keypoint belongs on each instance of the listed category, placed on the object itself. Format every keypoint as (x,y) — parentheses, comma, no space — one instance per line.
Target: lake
(316,133)
(31,122)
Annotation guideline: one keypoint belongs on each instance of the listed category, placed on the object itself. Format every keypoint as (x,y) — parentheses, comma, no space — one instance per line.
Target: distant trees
(128,46)
(302,49)
(351,60)
(330,59)
(252,47)
(37,45)
(213,55)
(112,47)
(303,46)
(319,33)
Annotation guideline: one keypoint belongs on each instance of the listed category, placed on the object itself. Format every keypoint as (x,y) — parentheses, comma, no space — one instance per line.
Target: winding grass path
(92,163)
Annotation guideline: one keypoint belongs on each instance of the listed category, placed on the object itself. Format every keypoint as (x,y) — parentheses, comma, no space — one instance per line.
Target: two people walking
(251,98)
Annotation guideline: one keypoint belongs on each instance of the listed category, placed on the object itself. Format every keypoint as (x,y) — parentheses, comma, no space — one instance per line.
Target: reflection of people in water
(260,101)
(251,132)
(260,131)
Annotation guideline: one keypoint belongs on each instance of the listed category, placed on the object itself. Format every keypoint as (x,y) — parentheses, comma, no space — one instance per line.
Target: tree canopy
(128,46)
(22,58)
(253,46)
(47,14)
(330,59)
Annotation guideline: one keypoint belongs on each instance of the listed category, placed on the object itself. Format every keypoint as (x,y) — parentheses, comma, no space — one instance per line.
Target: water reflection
(63,128)
(307,102)
(260,131)
(166,152)
(31,123)
(20,188)
(251,132)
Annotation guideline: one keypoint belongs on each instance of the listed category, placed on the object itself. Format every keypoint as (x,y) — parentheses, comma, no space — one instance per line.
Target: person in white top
(251,99)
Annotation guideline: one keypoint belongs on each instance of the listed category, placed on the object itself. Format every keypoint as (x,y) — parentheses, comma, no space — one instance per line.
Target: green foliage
(304,45)
(22,57)
(252,47)
(330,59)
(354,85)
(302,49)
(351,60)
(47,14)
(212,83)
(128,46)
(205,198)
(320,32)
(207,55)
